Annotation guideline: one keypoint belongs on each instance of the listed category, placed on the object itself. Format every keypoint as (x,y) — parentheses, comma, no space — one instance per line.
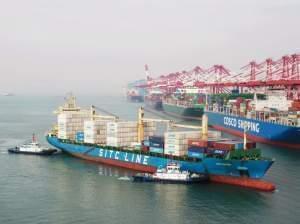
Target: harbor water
(63,189)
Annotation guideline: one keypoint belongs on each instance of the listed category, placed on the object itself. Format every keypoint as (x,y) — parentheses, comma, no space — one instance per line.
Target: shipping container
(251,145)
(199,143)
(197,149)
(175,153)
(156,150)
(145,148)
(217,151)
(79,136)
(239,146)
(154,144)
(198,155)
(157,139)
(224,145)
(146,143)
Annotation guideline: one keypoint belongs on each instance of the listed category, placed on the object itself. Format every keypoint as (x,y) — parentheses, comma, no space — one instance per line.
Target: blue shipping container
(79,136)
(196,149)
(156,150)
(198,155)
(239,146)
(156,144)
(157,139)
(217,151)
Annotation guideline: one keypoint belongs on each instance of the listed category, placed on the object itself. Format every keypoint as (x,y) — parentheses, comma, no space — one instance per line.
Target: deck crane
(203,130)
(110,116)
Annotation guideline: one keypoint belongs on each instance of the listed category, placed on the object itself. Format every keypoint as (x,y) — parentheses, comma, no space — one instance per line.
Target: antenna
(147,71)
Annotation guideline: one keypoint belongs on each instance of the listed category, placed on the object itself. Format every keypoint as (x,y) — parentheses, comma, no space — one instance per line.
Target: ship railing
(262,117)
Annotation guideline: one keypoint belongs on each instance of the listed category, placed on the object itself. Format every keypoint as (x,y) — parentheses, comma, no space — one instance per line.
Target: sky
(50,47)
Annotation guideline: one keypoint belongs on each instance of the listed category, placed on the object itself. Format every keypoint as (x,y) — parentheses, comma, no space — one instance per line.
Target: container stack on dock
(69,123)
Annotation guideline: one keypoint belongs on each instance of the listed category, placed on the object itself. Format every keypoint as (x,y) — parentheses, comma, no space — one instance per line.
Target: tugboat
(171,174)
(33,148)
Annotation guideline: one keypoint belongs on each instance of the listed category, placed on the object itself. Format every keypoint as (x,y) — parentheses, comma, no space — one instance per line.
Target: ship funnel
(140,124)
(204,127)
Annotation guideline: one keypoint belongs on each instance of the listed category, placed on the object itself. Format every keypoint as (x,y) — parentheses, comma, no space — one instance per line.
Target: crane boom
(186,126)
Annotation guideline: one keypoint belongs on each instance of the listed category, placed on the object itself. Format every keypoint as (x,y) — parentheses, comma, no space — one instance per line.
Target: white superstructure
(33,147)
(276,99)
(172,172)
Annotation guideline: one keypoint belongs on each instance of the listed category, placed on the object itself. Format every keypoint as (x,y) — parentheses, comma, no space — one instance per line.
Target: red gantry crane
(282,73)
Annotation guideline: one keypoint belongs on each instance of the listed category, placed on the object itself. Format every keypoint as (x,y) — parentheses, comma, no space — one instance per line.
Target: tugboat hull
(149,178)
(42,153)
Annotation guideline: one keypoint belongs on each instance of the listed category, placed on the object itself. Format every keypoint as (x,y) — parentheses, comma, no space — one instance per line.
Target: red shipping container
(250,145)
(211,144)
(224,145)
(145,148)
(198,143)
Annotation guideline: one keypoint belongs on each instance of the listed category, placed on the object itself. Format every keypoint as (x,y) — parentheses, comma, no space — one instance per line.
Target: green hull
(184,112)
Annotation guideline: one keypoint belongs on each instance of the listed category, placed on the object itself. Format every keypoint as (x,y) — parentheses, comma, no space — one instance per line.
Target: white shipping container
(182,135)
(176,141)
(175,153)
(122,124)
(176,147)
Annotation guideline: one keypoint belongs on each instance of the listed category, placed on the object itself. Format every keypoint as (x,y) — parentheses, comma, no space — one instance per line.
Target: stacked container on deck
(121,133)
(95,131)
(176,143)
(69,123)
(156,144)
(125,133)
(149,129)
(197,148)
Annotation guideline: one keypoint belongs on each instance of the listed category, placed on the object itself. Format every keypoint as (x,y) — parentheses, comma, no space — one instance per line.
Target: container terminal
(262,97)
(86,134)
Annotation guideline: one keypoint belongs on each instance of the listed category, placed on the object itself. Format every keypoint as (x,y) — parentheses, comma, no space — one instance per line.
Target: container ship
(133,145)
(153,100)
(184,104)
(135,94)
(274,120)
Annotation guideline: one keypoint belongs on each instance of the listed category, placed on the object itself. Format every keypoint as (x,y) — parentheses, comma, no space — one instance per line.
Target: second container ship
(273,120)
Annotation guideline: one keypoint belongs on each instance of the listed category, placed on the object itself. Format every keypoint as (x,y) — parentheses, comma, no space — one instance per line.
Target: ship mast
(70,104)
(140,124)
(245,138)
(204,127)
